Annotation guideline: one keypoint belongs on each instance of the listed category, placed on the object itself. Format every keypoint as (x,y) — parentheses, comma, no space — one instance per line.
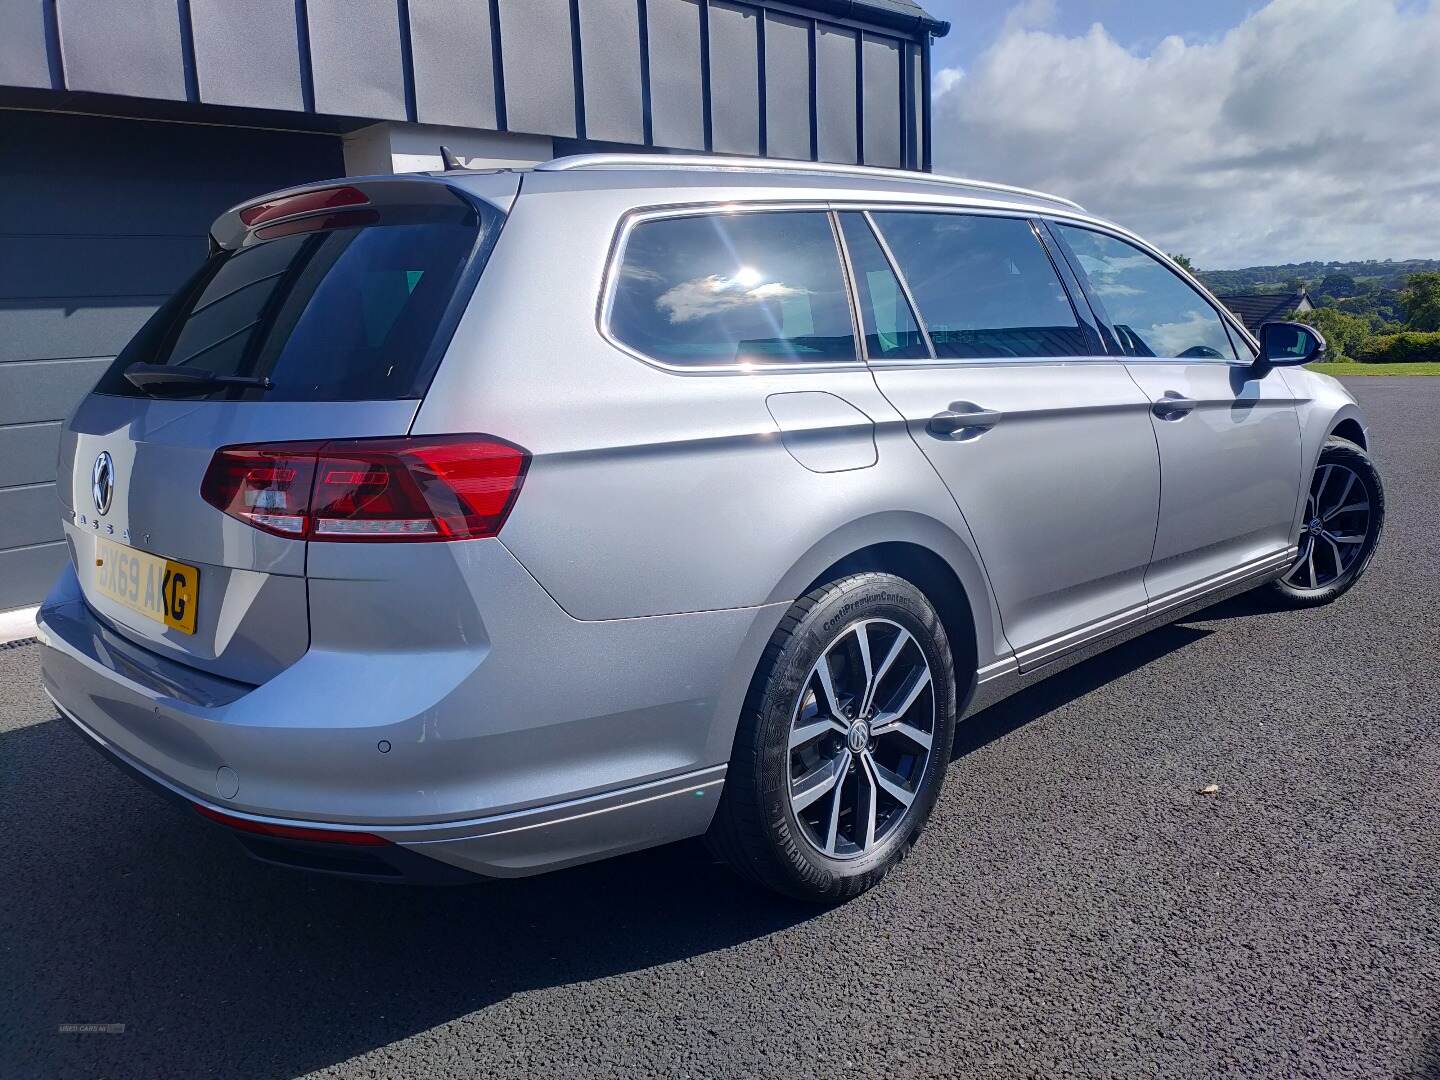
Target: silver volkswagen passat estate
(483,523)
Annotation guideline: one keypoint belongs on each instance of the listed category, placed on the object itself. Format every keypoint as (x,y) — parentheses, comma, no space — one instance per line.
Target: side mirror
(1288,344)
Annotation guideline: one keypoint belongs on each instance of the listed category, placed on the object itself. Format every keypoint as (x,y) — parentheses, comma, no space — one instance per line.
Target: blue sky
(1135,24)
(1234,131)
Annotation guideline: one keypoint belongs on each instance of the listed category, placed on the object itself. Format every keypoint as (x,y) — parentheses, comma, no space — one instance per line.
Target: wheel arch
(1351,430)
(927,553)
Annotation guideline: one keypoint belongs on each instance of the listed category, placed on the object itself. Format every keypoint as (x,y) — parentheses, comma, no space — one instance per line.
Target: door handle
(964,416)
(1173,406)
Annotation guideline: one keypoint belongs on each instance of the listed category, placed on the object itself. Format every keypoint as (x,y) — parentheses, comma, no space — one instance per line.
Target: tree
(1420,299)
(1343,333)
(1183,261)
(1338,285)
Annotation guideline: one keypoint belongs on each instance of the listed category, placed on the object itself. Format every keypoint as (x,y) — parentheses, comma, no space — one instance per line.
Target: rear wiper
(144,376)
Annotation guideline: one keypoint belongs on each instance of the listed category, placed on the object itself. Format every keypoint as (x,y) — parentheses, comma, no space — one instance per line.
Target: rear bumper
(533,742)
(511,845)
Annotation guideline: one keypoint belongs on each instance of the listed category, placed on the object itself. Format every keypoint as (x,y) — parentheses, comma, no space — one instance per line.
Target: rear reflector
(446,487)
(303,203)
(290,832)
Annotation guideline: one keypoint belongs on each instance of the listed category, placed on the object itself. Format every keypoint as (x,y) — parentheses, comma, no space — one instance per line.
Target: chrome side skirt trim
(999,680)
(1280,560)
(996,670)
(1056,647)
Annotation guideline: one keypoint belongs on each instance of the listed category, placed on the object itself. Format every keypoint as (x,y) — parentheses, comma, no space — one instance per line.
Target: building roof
(904,14)
(1257,308)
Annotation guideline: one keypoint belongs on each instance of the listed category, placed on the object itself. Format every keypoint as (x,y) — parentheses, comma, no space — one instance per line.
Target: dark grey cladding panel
(883,120)
(33,267)
(835,119)
(677,102)
(23,59)
(45,389)
(27,454)
(536,42)
(73,326)
(29,515)
(248,54)
(610,61)
(734,79)
(787,86)
(98,176)
(355,54)
(454,62)
(26,574)
(134,51)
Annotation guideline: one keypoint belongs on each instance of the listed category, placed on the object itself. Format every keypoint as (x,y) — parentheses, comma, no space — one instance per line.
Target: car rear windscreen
(346,311)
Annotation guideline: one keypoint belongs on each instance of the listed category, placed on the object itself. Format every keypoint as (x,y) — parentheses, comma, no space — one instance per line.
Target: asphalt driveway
(1077,907)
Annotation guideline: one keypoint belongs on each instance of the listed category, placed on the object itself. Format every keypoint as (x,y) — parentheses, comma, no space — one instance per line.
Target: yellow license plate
(163,589)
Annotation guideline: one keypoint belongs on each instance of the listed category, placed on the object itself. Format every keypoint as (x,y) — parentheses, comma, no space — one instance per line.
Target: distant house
(1257,308)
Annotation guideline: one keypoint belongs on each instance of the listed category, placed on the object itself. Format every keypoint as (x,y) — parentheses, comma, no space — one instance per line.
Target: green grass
(1345,368)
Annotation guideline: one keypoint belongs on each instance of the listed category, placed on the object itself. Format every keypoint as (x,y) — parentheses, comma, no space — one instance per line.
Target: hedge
(1407,348)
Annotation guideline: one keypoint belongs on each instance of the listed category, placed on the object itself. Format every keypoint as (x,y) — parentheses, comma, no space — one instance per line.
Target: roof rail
(721,163)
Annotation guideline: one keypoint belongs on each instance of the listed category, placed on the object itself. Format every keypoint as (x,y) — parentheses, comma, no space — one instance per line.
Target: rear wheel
(842,748)
(1344,513)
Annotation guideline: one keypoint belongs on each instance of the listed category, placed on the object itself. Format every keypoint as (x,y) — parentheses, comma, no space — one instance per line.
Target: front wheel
(842,748)
(1344,512)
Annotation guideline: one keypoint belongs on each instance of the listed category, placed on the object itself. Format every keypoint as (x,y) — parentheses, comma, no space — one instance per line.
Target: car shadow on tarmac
(127,910)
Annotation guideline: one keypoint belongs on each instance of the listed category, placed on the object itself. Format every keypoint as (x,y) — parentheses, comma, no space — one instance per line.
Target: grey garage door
(100,219)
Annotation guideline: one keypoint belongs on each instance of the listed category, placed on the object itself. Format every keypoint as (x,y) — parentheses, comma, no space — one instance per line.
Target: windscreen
(346,308)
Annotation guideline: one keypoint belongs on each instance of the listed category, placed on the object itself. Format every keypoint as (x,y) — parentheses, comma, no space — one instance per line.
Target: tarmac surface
(1076,907)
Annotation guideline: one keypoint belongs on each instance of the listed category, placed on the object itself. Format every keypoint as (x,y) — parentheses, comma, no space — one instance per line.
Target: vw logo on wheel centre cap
(102,482)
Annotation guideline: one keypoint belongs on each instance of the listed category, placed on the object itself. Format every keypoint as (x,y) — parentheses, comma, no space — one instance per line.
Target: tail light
(447,487)
(306,202)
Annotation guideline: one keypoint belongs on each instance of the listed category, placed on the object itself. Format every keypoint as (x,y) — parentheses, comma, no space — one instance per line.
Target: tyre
(1344,513)
(842,747)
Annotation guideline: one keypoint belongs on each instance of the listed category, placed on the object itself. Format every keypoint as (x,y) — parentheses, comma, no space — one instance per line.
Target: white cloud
(700,298)
(1311,130)
(1030,15)
(945,80)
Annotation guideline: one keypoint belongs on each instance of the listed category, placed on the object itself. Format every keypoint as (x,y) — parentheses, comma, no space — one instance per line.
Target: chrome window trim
(855,289)
(915,312)
(639,216)
(868,206)
(1083,220)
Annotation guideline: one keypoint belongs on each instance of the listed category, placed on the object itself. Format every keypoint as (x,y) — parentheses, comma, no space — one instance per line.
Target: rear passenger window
(734,289)
(891,332)
(1152,310)
(984,285)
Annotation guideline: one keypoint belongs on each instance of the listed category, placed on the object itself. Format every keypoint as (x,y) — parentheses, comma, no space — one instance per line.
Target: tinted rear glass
(984,285)
(339,314)
(722,289)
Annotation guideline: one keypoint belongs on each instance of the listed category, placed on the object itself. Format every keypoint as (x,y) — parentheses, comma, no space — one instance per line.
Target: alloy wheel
(1337,522)
(861,738)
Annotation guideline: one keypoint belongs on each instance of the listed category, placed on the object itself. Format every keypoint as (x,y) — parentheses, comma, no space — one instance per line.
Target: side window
(1153,311)
(891,332)
(984,285)
(739,288)
(1244,351)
